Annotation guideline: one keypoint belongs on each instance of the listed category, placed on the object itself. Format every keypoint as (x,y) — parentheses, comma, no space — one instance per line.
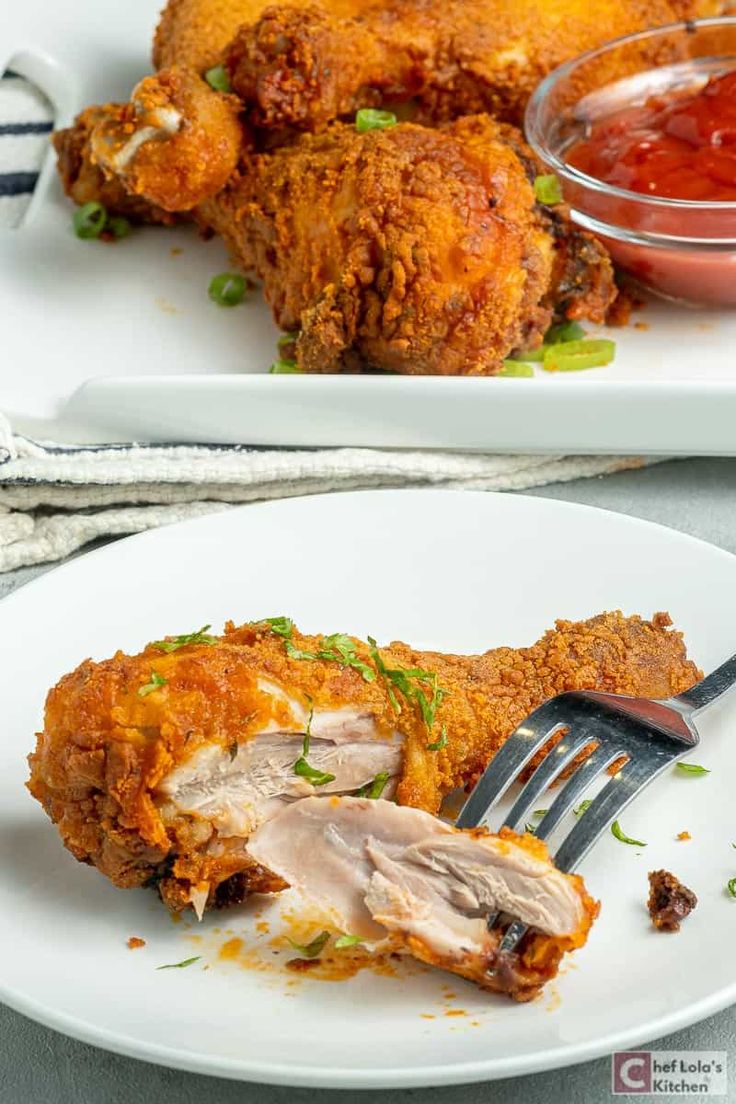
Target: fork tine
(558,758)
(519,748)
(613,798)
(575,786)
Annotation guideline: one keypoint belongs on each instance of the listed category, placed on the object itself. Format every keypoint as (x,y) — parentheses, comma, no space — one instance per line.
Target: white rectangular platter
(120,342)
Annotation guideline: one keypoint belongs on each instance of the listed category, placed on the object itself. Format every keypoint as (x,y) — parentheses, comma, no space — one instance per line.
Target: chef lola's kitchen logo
(673,1073)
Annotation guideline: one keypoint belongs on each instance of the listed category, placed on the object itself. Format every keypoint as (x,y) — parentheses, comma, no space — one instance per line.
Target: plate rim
(337,1077)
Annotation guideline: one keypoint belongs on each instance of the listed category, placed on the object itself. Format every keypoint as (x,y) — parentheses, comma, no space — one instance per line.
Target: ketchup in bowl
(642,136)
(680,146)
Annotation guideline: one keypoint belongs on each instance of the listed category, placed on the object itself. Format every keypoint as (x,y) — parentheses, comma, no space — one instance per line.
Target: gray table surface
(39,1066)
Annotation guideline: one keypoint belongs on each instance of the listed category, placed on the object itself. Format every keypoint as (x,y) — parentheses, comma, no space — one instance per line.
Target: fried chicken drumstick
(410,249)
(158,768)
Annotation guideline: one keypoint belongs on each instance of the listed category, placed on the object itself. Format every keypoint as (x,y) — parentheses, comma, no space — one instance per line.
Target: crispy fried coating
(410,249)
(107,747)
(177,140)
(194,33)
(82,177)
(303,66)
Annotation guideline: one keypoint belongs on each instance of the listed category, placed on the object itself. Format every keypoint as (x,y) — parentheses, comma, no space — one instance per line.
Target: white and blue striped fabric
(26,121)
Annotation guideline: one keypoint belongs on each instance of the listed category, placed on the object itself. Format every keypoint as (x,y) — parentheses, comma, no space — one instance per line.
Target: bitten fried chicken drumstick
(385,873)
(167,768)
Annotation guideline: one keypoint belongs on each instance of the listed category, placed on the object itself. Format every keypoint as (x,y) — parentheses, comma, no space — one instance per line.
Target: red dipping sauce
(680,146)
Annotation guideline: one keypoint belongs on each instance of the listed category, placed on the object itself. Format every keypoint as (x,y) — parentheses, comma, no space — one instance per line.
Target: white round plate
(456,571)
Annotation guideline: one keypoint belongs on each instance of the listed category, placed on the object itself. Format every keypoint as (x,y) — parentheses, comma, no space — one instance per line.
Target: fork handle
(712,687)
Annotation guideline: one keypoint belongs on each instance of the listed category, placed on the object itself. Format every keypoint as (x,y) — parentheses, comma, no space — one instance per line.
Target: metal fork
(651,734)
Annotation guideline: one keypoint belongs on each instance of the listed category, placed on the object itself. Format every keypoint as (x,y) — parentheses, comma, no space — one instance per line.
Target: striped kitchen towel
(26,120)
(55,498)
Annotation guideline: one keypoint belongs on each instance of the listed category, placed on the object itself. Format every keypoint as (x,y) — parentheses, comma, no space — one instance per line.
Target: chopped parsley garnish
(316,777)
(692,768)
(531,828)
(731,886)
(580,809)
(343,941)
(218,78)
(369,118)
(439,744)
(311,950)
(280,626)
(198,637)
(547,189)
(302,767)
(337,648)
(154,684)
(179,965)
(375,787)
(227,289)
(620,835)
(411,683)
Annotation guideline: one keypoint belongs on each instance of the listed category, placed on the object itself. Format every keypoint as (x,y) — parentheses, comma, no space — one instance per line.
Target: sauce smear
(679,146)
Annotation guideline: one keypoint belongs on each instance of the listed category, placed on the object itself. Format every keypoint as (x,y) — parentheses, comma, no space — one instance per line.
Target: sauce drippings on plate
(679,146)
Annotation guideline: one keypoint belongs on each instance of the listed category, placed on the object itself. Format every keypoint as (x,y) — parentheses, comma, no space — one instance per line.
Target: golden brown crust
(104,748)
(303,65)
(408,249)
(83,179)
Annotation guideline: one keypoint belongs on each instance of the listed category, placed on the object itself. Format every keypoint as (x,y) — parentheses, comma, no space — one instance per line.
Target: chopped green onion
(227,289)
(731,886)
(156,681)
(516,368)
(439,744)
(311,950)
(691,768)
(287,339)
(118,226)
(347,941)
(179,965)
(198,637)
(564,331)
(620,835)
(374,788)
(368,118)
(530,828)
(574,356)
(89,220)
(283,367)
(547,190)
(316,777)
(580,809)
(540,812)
(218,78)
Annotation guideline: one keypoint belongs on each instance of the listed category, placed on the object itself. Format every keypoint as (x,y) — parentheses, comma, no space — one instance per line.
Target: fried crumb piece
(176,251)
(641,326)
(135,942)
(683,836)
(669,900)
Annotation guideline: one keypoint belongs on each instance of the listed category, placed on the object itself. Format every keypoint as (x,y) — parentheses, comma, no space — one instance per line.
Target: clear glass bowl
(681,249)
